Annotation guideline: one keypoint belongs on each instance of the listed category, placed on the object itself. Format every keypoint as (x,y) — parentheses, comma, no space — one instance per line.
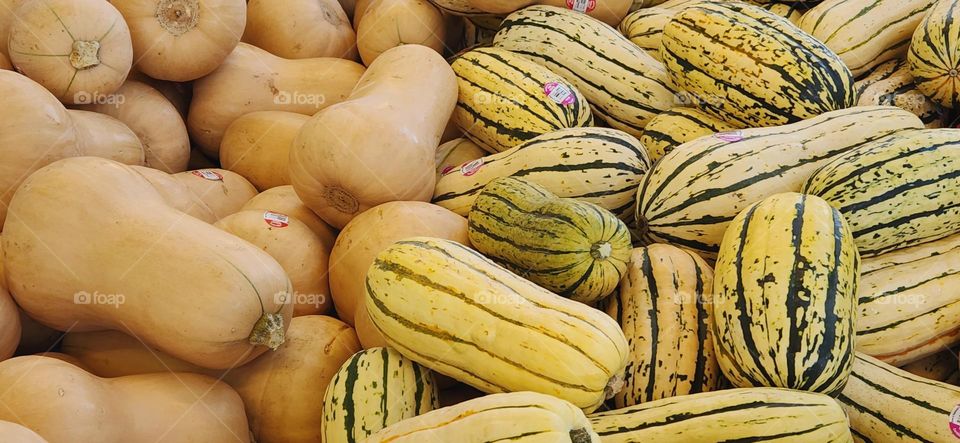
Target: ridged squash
(495,319)
(792,10)
(664,306)
(785,296)
(751,67)
(644,28)
(576,249)
(934,54)
(677,126)
(372,390)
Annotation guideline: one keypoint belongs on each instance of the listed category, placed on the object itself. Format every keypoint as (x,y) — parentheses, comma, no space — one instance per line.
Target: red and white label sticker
(730,136)
(955,422)
(471,168)
(559,93)
(276,219)
(208,175)
(582,5)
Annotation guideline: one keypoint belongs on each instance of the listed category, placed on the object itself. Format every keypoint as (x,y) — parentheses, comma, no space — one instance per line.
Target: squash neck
(178,16)
(85,54)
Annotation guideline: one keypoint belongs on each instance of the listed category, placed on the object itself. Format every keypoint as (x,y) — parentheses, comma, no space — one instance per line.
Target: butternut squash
(224,192)
(177,194)
(106,137)
(455,153)
(35,337)
(375,230)
(176,93)
(367,332)
(154,119)
(379,145)
(300,28)
(65,358)
(38,133)
(251,79)
(128,261)
(389,23)
(9,321)
(45,394)
(77,49)
(182,40)
(14,433)
(5,62)
(284,199)
(300,252)
(610,12)
(257,146)
(7,17)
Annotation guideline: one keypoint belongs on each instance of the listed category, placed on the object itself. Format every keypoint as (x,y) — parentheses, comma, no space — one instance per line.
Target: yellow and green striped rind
(731,415)
(576,249)
(624,85)
(934,54)
(879,73)
(751,67)
(644,27)
(690,195)
(598,165)
(375,388)
(898,89)
(453,310)
(941,366)
(792,11)
(785,296)
(677,126)
(503,99)
(897,191)
(524,417)
(887,404)
(664,306)
(907,306)
(865,33)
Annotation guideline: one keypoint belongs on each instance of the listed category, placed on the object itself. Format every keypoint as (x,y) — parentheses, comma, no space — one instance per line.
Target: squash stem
(85,54)
(614,386)
(601,250)
(178,16)
(580,435)
(268,331)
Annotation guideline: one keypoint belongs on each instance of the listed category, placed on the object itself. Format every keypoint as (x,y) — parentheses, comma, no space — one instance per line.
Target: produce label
(955,422)
(447,170)
(559,93)
(471,168)
(730,136)
(276,219)
(208,175)
(582,5)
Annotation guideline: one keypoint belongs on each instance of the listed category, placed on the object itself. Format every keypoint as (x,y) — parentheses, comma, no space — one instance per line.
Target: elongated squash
(750,67)
(387,24)
(898,89)
(880,72)
(224,192)
(106,137)
(625,86)
(597,165)
(677,126)
(10,329)
(372,390)
(888,404)
(257,146)
(690,195)
(495,319)
(576,249)
(792,10)
(524,417)
(506,99)
(644,28)
(754,414)
(664,306)
(934,54)
(177,194)
(785,296)
(895,191)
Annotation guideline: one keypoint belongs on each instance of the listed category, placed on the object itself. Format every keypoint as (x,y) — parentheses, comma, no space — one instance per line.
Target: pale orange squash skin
(14,433)
(389,23)
(177,194)
(35,337)
(9,319)
(610,12)
(284,199)
(257,146)
(367,332)
(224,195)
(106,137)
(300,28)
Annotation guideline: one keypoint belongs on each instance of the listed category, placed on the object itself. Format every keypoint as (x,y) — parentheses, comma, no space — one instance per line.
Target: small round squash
(389,23)
(300,28)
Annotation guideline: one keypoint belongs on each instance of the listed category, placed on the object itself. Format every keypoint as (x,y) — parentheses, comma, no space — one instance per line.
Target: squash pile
(478,221)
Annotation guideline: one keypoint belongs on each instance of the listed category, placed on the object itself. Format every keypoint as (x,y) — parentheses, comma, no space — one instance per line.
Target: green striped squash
(664,306)
(793,11)
(506,99)
(751,67)
(785,296)
(941,366)
(690,195)
(865,33)
(576,249)
(732,415)
(521,417)
(934,54)
(625,86)
(597,165)
(896,191)
(677,126)
(452,310)
(908,307)
(898,89)
(644,28)
(887,404)
(375,388)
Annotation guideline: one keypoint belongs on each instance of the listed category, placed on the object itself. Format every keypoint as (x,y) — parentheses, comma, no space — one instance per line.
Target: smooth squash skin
(106,137)
(177,194)
(77,49)
(284,199)
(389,23)
(367,332)
(14,433)
(257,146)
(9,320)
(6,20)
(224,192)
(182,40)
(300,28)
(5,62)
(44,394)
(610,12)
(251,79)
(379,145)
(129,261)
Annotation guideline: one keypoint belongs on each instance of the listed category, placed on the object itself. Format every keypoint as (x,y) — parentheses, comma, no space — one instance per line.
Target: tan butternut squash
(14,433)
(455,153)
(610,12)
(177,194)
(252,79)
(106,137)
(65,358)
(9,322)
(154,119)
(7,17)
(176,93)
(77,49)
(38,133)
(257,146)
(182,40)
(300,28)
(129,261)
(199,160)
(367,332)
(389,23)
(5,62)
(35,337)
(284,199)
(379,145)
(45,394)
(375,230)
(224,192)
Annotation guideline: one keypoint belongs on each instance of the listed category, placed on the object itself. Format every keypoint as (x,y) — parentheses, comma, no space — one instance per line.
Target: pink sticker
(208,175)
(471,168)
(955,422)
(559,93)
(582,5)
(276,219)
(730,136)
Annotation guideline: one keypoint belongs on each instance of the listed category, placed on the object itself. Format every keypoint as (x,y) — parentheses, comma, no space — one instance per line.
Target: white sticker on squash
(559,93)
(276,219)
(208,175)
(730,136)
(582,5)
(471,168)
